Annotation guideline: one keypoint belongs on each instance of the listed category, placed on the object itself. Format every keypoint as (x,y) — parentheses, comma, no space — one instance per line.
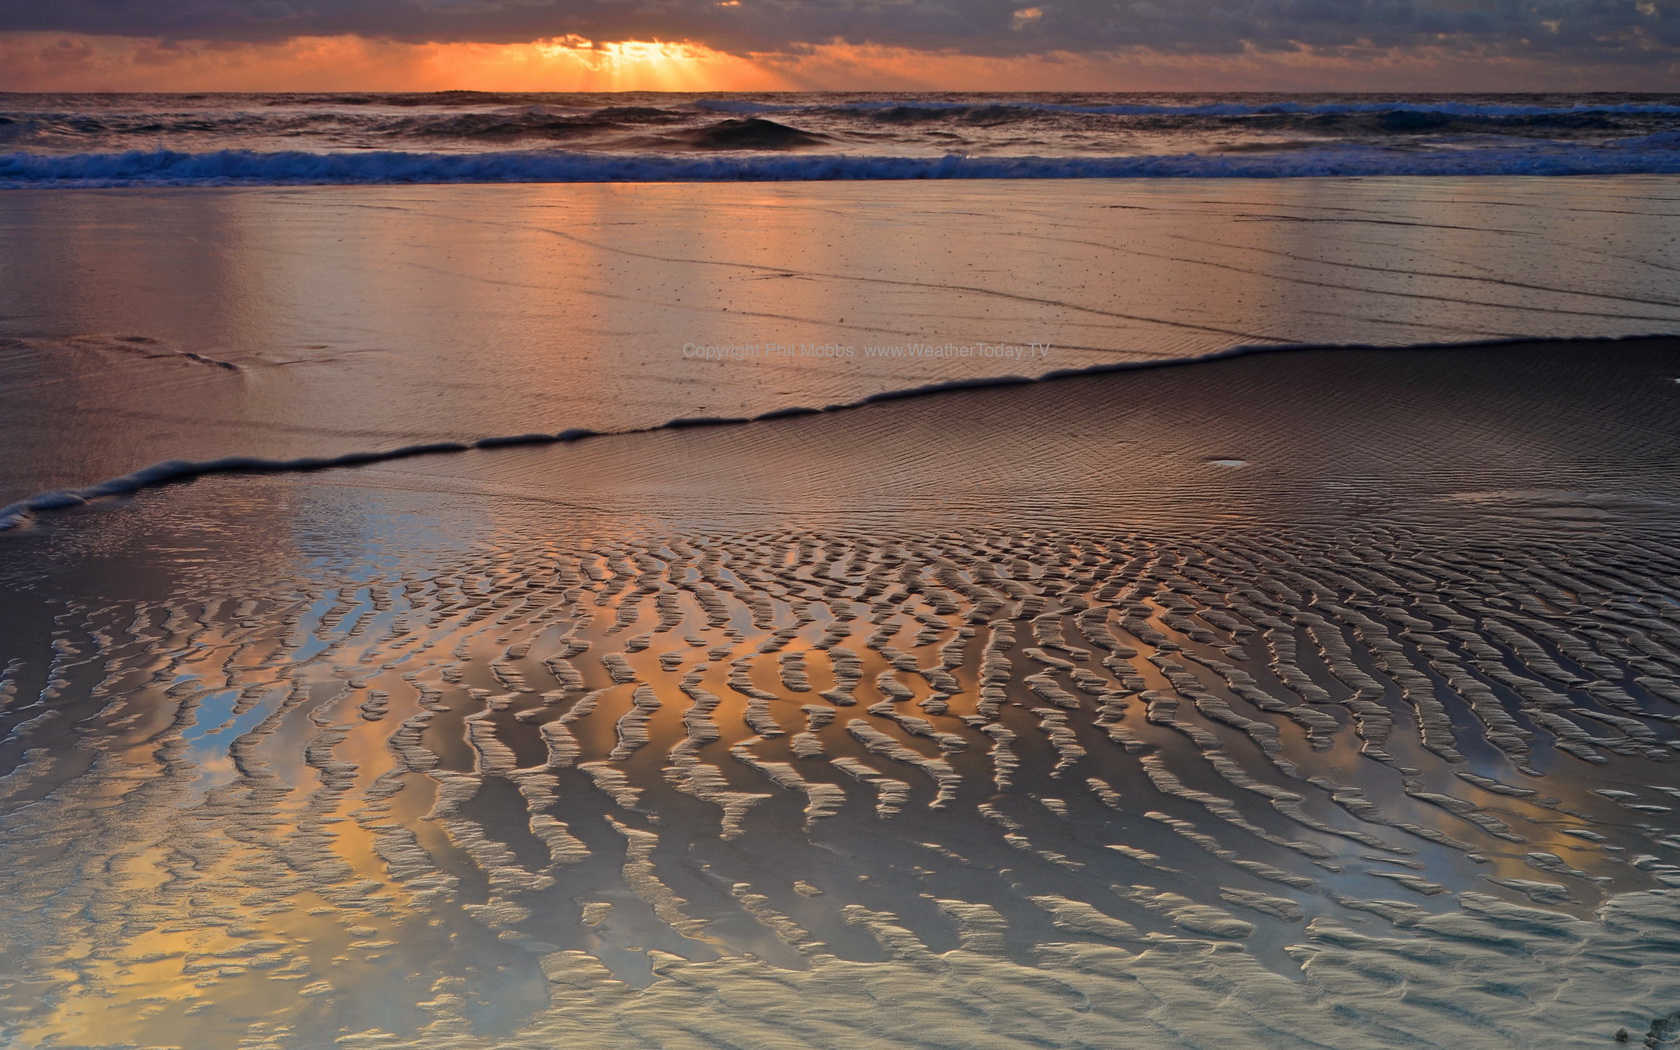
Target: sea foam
(1647,155)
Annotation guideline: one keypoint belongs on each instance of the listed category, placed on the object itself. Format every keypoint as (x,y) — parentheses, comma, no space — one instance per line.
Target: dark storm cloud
(1595,30)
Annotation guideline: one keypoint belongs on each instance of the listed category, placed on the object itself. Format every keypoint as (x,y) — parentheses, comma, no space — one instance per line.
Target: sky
(757,45)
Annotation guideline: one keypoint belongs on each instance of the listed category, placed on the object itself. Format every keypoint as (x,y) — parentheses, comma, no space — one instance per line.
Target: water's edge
(166,472)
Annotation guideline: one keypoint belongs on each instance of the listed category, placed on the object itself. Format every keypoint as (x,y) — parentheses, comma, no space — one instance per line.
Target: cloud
(59,62)
(1638,32)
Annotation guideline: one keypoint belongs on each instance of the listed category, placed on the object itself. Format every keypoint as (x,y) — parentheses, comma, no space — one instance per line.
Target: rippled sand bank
(1305,699)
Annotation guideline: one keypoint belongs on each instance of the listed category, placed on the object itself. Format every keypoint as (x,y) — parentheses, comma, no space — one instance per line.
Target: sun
(574,63)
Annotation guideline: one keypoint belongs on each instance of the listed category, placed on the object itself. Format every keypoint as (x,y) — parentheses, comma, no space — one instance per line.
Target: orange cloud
(59,62)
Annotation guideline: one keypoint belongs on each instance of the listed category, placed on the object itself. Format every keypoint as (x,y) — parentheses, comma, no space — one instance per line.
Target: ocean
(284,139)
(836,571)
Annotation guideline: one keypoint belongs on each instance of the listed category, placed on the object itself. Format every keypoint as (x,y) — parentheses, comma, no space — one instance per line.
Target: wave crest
(1649,155)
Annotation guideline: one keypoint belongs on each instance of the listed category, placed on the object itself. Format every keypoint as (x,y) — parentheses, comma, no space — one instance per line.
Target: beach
(1022,612)
(285,322)
(1303,693)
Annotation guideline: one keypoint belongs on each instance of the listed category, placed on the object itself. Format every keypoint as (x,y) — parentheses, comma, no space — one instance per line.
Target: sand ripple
(1376,781)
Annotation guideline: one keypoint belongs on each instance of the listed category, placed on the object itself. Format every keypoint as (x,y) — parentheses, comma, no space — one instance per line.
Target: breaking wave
(1215,109)
(1649,155)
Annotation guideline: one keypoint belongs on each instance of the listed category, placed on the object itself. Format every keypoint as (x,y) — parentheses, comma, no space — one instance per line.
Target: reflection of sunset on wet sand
(344,311)
(1157,705)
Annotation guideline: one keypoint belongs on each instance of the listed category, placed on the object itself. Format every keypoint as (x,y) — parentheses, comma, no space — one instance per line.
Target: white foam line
(1221,109)
(1648,154)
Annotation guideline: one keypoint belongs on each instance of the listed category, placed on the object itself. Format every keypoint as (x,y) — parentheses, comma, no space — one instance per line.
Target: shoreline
(244,168)
(22,513)
(197,324)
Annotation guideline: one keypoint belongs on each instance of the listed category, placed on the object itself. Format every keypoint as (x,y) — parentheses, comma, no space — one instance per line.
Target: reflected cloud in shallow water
(991,717)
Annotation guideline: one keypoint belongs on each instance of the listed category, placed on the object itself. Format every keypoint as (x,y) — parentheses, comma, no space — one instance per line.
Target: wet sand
(286,322)
(1302,699)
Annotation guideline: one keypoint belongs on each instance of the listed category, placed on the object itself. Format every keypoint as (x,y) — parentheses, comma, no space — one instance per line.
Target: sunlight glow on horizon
(58,62)
(68,62)
(627,65)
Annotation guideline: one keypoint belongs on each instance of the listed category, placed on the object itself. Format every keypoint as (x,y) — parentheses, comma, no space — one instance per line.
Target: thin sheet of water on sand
(194,324)
(1298,700)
